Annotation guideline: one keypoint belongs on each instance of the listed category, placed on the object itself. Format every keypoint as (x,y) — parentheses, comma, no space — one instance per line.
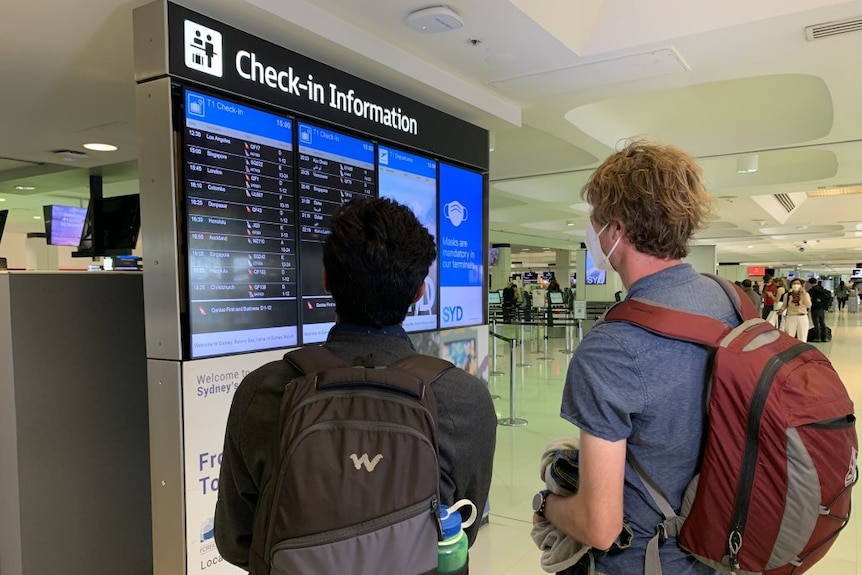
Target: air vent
(837,28)
(785,202)
(68,155)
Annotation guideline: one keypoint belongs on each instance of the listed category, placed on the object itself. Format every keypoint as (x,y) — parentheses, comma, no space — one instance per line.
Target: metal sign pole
(523,346)
(512,421)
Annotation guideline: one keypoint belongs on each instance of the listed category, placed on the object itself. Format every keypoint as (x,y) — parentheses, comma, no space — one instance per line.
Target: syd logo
(452,313)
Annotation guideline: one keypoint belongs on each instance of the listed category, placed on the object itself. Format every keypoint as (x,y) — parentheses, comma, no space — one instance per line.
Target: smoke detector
(433,20)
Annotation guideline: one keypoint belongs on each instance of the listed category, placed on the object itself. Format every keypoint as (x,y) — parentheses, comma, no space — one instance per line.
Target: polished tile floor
(504,546)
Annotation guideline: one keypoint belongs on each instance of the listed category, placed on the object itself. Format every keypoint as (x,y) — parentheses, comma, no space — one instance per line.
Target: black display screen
(240,227)
(333,168)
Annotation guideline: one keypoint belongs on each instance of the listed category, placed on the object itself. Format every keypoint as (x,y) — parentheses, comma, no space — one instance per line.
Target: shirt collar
(388,330)
(664,279)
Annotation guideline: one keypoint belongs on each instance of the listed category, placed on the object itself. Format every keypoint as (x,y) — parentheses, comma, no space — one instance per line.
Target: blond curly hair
(656,191)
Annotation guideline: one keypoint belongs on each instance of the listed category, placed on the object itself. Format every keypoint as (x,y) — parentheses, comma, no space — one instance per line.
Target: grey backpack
(352,484)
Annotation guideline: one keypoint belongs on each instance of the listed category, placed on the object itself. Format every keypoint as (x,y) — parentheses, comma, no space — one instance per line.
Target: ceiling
(559,84)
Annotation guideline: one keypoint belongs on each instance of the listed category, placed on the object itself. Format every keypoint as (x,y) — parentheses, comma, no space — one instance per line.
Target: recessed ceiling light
(37,217)
(2,199)
(97,147)
(25,188)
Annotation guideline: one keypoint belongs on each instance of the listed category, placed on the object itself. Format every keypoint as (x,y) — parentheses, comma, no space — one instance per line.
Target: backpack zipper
(354,530)
(752,447)
(413,403)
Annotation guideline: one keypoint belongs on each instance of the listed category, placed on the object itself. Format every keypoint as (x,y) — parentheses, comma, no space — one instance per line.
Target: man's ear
(325,280)
(420,293)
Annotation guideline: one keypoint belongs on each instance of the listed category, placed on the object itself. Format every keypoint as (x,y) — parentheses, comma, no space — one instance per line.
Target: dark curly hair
(376,259)
(656,191)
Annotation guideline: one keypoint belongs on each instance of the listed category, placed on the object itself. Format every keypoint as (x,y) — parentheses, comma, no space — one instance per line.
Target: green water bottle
(452,550)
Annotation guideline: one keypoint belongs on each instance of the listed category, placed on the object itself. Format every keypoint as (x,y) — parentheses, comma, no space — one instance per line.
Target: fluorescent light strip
(826,192)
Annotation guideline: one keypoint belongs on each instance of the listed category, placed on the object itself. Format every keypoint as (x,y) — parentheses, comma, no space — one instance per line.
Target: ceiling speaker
(433,20)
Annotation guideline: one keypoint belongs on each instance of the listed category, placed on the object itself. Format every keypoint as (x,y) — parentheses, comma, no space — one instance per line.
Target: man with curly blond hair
(628,391)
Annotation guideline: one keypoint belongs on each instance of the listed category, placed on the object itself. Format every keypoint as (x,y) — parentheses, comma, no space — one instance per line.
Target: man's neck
(637,266)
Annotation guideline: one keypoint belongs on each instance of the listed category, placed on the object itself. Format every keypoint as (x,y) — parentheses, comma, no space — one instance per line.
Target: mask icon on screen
(455,212)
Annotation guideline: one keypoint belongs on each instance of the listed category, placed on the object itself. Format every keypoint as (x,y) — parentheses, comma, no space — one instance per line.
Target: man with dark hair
(821,300)
(375,263)
(753,295)
(634,395)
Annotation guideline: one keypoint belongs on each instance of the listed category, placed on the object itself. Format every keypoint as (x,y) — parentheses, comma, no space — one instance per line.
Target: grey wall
(78,377)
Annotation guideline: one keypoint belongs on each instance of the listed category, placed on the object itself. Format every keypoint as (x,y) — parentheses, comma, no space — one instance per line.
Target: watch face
(538,498)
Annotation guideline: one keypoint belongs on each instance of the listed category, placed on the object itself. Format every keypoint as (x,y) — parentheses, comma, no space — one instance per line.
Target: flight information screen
(333,169)
(411,180)
(240,227)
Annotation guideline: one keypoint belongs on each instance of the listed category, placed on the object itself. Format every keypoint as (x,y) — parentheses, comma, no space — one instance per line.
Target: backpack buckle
(661,531)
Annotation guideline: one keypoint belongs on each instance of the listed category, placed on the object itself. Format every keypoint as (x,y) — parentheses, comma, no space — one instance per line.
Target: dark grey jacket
(467,436)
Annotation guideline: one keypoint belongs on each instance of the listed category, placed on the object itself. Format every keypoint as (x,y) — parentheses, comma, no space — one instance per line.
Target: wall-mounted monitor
(595,276)
(111,227)
(493,256)
(494,298)
(241,265)
(462,257)
(555,298)
(530,277)
(756,271)
(411,180)
(548,276)
(64,224)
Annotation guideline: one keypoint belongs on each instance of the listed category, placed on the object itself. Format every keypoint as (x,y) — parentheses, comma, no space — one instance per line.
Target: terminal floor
(504,546)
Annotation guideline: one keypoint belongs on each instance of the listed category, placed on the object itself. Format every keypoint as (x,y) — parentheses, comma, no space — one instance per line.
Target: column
(501,272)
(563,268)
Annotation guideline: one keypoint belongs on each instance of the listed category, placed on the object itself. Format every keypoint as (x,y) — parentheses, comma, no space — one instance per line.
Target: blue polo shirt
(626,383)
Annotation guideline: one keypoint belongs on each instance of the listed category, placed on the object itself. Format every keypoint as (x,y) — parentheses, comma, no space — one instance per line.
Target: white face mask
(600,259)
(795,287)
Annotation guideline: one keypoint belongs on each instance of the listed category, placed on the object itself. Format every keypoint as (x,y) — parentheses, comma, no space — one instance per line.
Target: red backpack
(773,490)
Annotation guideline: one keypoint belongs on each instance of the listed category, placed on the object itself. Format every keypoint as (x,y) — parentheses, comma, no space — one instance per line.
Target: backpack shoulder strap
(423,367)
(741,302)
(313,358)
(669,322)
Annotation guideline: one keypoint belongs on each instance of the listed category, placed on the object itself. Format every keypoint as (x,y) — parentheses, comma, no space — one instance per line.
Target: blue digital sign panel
(333,169)
(411,180)
(240,227)
(461,247)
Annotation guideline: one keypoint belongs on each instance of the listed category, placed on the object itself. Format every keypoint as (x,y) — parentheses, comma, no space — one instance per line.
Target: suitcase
(811,334)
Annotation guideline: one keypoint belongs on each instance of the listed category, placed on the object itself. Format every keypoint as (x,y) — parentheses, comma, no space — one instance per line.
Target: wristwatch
(540,499)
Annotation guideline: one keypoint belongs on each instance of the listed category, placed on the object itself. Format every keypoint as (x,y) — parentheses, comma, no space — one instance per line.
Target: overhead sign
(215,54)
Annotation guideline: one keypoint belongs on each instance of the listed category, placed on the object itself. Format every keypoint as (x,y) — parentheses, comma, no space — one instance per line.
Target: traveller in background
(756,287)
(821,301)
(753,295)
(797,302)
(553,285)
(628,390)
(375,262)
(510,302)
(842,294)
(770,295)
(780,301)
